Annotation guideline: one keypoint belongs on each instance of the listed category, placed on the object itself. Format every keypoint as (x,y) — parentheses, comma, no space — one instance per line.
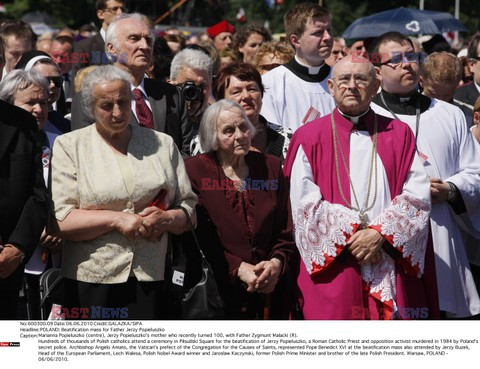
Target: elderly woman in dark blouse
(244,222)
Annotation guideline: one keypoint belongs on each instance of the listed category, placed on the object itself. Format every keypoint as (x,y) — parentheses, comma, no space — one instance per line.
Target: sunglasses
(57,81)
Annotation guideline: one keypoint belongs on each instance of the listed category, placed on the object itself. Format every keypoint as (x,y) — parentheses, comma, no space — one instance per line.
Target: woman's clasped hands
(262,277)
(150,223)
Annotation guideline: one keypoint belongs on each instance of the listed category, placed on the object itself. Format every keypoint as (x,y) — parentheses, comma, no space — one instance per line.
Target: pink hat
(220,27)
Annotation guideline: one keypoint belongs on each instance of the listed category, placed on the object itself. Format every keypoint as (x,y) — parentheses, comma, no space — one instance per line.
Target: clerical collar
(305,72)
(403,105)
(311,70)
(357,120)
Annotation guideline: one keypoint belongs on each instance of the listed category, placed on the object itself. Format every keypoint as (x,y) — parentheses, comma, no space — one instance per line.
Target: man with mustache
(450,158)
(361,201)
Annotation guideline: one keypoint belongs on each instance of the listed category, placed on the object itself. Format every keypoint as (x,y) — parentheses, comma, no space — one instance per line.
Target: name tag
(178,277)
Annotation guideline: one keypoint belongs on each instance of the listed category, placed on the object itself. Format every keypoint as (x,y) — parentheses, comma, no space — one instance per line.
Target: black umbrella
(405,20)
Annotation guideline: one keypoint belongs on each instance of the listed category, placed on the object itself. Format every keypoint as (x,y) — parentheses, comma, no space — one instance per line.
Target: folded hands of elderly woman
(262,277)
(150,223)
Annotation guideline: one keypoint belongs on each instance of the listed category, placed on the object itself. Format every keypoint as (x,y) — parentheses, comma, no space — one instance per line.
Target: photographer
(192,70)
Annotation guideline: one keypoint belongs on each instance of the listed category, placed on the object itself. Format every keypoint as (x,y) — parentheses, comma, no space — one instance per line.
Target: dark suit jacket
(62,105)
(59,121)
(23,195)
(466,94)
(222,235)
(169,110)
(83,50)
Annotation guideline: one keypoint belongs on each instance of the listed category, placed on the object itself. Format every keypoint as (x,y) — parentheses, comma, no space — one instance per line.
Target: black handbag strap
(192,229)
(51,287)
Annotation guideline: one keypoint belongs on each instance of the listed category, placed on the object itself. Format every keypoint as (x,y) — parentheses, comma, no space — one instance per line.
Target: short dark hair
(374,48)
(472,48)
(162,59)
(87,28)
(19,29)
(242,71)
(102,4)
(64,40)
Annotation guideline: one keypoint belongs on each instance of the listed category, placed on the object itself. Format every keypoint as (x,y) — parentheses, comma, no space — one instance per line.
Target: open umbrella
(408,21)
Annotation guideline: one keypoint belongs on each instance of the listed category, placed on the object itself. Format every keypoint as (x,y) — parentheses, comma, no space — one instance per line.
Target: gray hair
(208,126)
(112,32)
(19,80)
(100,75)
(193,59)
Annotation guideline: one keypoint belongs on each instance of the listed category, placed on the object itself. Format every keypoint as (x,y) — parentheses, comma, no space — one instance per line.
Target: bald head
(353,84)
(355,60)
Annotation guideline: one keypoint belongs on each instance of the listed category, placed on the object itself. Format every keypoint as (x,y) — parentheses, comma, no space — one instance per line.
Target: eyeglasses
(358,80)
(115,9)
(57,81)
(267,67)
(404,58)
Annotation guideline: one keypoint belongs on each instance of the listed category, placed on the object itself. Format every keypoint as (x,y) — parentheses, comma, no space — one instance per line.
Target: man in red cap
(221,34)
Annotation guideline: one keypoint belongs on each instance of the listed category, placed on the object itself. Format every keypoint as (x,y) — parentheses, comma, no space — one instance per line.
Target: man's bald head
(353,84)
(354,59)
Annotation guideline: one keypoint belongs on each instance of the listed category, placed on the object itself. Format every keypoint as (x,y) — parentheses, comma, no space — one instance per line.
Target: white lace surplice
(322,228)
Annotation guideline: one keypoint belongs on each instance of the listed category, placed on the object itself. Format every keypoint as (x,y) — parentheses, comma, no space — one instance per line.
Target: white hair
(101,74)
(111,35)
(208,126)
(19,80)
(193,59)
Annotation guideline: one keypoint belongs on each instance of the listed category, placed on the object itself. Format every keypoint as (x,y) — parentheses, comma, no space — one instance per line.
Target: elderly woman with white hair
(27,90)
(243,214)
(118,190)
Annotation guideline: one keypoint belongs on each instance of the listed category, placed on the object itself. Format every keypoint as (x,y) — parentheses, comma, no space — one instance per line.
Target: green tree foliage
(68,13)
(207,12)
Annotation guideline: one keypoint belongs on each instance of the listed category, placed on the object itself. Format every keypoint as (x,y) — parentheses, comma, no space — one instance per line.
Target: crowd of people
(326,178)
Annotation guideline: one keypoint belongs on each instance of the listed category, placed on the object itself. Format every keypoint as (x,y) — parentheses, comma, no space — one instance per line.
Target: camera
(191,91)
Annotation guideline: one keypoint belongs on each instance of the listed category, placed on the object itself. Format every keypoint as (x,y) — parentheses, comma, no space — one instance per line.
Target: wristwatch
(451,192)
(22,254)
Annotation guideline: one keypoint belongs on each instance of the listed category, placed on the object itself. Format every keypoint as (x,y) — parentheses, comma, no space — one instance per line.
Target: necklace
(372,172)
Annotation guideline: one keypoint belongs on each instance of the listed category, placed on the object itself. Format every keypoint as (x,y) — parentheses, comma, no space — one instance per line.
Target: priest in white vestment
(297,92)
(451,160)
(361,203)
